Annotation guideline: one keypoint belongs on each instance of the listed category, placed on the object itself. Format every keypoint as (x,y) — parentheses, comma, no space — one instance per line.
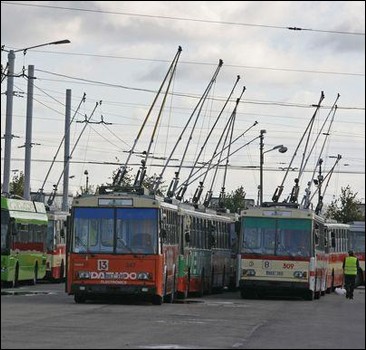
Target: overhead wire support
(55,187)
(40,191)
(119,176)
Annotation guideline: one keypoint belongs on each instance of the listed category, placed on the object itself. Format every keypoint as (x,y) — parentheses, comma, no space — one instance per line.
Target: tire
(35,276)
(157,299)
(79,298)
(15,282)
(309,295)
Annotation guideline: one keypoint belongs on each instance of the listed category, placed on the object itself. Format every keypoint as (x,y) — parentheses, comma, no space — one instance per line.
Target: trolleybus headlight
(83,275)
(143,276)
(248,272)
(300,274)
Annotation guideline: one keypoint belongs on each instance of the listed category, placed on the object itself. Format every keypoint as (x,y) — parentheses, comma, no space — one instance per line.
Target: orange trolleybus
(129,243)
(282,249)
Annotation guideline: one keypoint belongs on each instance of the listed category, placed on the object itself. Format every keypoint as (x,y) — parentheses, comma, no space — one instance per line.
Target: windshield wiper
(125,245)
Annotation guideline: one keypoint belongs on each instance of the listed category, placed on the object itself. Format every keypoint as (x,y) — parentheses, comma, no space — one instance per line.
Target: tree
(235,201)
(16,186)
(345,208)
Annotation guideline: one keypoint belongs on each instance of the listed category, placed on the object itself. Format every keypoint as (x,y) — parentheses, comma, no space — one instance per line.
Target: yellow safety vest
(350,265)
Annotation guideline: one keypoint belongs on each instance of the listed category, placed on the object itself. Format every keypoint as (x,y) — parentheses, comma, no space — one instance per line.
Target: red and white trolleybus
(134,243)
(281,250)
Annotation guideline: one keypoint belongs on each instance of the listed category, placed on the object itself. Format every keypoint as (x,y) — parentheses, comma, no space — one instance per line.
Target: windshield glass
(273,236)
(116,230)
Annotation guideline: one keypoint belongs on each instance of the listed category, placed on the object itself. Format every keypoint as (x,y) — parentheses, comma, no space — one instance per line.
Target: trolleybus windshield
(116,230)
(282,237)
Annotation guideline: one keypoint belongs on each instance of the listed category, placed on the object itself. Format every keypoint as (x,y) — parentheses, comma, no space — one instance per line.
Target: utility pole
(65,192)
(9,109)
(9,119)
(261,161)
(28,134)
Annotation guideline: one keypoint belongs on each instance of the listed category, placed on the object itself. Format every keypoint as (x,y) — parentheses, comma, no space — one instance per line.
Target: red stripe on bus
(274,257)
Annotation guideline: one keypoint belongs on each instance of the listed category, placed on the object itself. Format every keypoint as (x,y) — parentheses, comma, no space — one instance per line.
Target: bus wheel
(247,294)
(157,299)
(35,276)
(15,282)
(243,294)
(309,295)
(79,298)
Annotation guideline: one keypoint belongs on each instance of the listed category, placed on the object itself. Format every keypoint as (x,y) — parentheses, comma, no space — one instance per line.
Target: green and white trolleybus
(23,241)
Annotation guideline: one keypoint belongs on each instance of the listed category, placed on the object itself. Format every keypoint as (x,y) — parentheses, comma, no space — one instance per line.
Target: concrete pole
(9,119)
(65,204)
(28,133)
(261,161)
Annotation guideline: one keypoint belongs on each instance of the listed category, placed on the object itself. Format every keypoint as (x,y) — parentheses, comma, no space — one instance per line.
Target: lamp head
(282,149)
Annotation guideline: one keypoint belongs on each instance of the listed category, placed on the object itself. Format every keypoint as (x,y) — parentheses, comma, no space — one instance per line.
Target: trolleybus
(282,249)
(134,243)
(208,240)
(23,241)
(336,249)
(357,244)
(56,245)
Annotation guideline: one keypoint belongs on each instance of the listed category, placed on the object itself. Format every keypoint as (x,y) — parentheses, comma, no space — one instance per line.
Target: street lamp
(9,109)
(281,149)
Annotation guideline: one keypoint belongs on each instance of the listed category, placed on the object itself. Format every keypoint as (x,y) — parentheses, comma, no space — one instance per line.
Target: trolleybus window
(111,230)
(281,237)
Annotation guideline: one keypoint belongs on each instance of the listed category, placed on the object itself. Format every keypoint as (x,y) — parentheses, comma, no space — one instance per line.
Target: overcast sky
(120,52)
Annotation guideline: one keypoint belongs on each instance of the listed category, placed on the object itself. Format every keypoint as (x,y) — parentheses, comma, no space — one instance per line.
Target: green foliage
(149,183)
(16,186)
(235,201)
(345,208)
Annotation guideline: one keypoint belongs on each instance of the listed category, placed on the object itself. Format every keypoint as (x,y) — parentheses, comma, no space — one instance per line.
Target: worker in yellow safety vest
(350,269)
